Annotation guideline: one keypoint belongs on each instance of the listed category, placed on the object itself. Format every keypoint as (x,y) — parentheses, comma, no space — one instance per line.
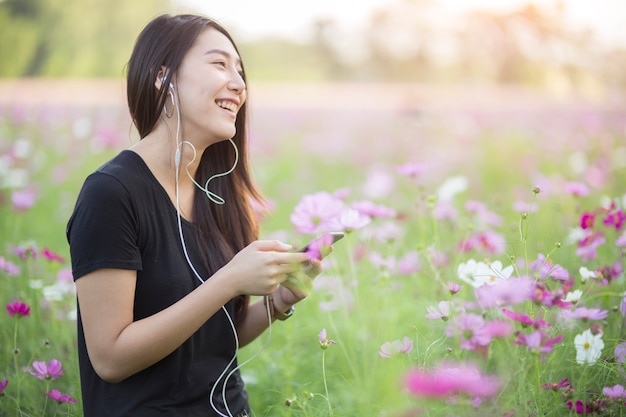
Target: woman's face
(210,89)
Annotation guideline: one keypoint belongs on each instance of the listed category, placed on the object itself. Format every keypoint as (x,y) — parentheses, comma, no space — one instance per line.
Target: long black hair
(222,230)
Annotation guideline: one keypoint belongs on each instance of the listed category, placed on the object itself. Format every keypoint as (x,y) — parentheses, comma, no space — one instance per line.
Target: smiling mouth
(227,105)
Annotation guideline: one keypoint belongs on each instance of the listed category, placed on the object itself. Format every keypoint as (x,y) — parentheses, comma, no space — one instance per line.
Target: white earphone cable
(217,200)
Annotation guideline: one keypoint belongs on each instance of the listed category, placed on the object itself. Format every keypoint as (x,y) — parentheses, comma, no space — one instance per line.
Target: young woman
(163,239)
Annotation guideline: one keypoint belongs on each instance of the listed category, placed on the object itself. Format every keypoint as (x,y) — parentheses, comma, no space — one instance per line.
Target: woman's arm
(119,347)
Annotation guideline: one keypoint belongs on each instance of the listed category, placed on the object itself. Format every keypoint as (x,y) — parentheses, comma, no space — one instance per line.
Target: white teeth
(228,105)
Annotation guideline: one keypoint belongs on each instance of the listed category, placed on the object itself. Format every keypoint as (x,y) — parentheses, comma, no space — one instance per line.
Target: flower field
(482,271)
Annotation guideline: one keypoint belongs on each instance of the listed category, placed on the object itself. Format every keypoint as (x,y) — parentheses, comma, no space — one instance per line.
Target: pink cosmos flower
(484,215)
(26,250)
(315,211)
(9,267)
(524,207)
(411,169)
(510,291)
(18,308)
(577,189)
(51,256)
(389,349)
(408,263)
(546,268)
(620,353)
(525,320)
(486,241)
(616,391)
(474,332)
(60,398)
(349,219)
(445,210)
(324,341)
(22,200)
(3,386)
(586,314)
(621,240)
(587,247)
(371,209)
(537,341)
(452,379)
(453,287)
(622,305)
(442,311)
(47,372)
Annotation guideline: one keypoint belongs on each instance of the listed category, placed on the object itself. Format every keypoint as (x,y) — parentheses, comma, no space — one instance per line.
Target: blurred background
(564,48)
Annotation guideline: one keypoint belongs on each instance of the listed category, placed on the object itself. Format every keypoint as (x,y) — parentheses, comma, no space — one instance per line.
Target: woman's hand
(260,267)
(298,285)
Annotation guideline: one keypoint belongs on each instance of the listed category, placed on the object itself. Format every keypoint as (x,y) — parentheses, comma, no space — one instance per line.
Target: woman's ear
(161,77)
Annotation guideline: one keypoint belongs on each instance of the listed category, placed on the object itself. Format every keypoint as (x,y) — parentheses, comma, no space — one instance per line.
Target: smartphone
(336,236)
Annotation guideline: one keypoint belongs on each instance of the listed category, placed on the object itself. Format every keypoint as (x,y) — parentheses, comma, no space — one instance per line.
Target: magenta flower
(18,308)
(525,320)
(580,407)
(564,383)
(47,372)
(389,349)
(315,211)
(587,220)
(3,386)
(51,256)
(614,218)
(452,379)
(616,391)
(586,314)
(60,398)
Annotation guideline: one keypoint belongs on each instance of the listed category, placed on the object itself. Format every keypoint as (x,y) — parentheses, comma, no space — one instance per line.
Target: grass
(295,153)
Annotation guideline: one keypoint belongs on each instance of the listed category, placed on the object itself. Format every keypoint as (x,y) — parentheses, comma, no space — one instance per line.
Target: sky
(292,18)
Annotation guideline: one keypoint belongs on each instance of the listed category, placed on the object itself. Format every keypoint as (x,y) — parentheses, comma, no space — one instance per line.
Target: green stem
(15,353)
(330,408)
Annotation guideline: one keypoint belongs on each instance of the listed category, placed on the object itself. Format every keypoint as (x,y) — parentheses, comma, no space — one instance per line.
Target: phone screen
(336,236)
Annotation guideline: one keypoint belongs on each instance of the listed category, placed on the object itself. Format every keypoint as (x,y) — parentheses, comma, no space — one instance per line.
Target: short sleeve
(102,231)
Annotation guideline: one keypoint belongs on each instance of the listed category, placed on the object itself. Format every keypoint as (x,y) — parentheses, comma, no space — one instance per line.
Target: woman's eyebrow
(223,53)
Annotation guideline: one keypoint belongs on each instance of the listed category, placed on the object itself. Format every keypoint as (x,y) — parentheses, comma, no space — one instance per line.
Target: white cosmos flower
(585,274)
(573,296)
(588,347)
(478,274)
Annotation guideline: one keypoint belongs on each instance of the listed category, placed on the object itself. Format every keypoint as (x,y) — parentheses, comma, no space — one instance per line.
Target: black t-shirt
(124,219)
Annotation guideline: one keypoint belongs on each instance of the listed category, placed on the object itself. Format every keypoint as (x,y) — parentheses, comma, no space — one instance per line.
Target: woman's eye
(220,63)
